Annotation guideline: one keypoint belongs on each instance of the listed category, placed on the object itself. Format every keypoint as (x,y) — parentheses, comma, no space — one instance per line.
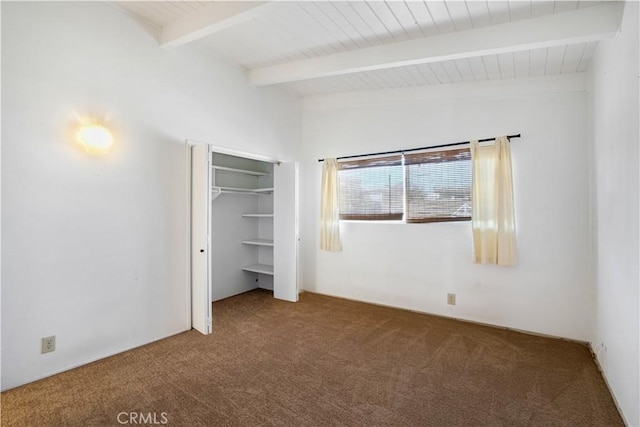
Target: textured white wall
(94,247)
(415,265)
(615,147)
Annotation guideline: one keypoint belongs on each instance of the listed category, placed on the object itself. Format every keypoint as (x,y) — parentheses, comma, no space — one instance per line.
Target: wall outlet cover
(48,344)
(451,299)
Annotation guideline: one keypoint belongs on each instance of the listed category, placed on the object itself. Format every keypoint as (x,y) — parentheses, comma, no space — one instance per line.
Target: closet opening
(244,229)
(241,225)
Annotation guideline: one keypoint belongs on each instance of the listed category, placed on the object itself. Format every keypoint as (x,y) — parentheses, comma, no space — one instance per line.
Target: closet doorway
(244,228)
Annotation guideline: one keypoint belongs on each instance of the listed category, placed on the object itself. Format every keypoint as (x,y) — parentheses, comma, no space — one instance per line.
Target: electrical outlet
(451,299)
(48,344)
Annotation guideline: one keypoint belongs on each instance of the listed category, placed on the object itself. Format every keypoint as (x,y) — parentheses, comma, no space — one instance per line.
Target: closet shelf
(240,171)
(264,190)
(259,268)
(256,215)
(236,190)
(258,242)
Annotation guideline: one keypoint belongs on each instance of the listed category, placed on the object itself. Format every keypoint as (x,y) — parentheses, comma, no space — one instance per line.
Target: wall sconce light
(95,138)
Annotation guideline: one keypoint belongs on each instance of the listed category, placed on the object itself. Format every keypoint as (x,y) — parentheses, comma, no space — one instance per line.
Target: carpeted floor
(327,362)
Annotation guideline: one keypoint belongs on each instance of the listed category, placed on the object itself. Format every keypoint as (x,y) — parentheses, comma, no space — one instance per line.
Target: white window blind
(438,185)
(371,189)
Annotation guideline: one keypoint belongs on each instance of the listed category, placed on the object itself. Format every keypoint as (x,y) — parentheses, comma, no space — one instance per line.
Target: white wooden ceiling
(294,32)
(160,13)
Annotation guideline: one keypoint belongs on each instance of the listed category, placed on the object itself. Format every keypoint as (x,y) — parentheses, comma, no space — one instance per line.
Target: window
(420,187)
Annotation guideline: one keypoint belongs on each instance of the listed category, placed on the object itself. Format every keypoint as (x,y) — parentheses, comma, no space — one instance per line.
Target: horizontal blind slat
(461,154)
(395,160)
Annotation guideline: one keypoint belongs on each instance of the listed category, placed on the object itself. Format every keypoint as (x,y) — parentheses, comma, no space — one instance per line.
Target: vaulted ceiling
(313,47)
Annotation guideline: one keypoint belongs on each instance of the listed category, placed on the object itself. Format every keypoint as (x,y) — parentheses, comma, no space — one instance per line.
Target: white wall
(414,266)
(615,139)
(94,247)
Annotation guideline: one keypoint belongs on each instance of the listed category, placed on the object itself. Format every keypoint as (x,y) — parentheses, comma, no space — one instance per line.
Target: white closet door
(285,231)
(200,238)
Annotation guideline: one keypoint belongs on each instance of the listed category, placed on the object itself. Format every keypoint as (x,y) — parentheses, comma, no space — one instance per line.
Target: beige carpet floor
(327,362)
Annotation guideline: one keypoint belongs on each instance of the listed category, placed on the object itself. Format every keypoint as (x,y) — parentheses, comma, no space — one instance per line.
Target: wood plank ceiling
(289,31)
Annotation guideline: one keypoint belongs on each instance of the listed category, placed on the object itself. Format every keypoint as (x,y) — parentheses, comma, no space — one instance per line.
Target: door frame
(221,150)
(233,152)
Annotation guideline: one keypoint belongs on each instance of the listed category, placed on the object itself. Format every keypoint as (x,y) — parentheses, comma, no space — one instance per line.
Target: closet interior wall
(240,214)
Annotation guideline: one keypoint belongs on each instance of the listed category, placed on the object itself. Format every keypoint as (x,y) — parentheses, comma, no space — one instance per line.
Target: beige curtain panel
(329,212)
(492,219)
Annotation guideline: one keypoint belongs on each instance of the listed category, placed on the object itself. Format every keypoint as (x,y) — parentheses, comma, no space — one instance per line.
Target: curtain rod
(418,149)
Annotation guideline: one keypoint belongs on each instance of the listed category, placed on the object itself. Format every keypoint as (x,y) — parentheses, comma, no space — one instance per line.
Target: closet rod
(418,149)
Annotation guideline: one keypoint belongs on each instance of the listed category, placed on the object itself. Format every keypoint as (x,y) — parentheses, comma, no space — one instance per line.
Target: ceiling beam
(214,17)
(579,26)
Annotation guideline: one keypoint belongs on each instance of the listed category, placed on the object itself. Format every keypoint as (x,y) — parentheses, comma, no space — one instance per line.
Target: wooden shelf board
(241,171)
(259,268)
(258,242)
(245,190)
(241,190)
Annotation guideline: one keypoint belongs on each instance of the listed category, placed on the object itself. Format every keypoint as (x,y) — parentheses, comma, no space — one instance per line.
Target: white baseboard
(86,362)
